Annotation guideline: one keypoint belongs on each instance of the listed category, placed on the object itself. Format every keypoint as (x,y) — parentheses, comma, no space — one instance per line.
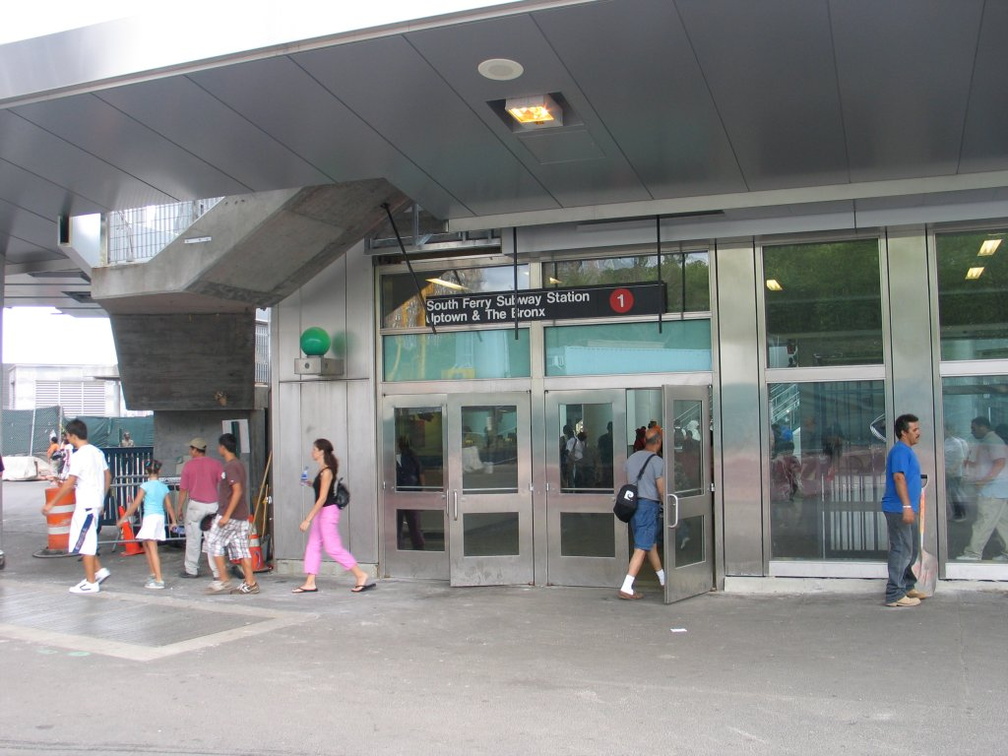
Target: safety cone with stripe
(128,538)
(255,549)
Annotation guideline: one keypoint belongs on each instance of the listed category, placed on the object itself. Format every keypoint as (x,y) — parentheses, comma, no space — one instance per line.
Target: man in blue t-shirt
(900,504)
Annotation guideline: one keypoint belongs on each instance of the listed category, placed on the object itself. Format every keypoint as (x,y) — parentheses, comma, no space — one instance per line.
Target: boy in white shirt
(89,474)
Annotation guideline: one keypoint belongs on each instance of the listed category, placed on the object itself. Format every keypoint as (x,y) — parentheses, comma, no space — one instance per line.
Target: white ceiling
(675,105)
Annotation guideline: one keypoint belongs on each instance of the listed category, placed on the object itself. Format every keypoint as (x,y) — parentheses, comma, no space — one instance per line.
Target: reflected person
(409,477)
(987,470)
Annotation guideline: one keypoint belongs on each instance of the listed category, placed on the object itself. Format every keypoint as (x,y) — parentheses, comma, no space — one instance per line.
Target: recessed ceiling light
(774,285)
(989,247)
(500,69)
(447,284)
(537,111)
(974,273)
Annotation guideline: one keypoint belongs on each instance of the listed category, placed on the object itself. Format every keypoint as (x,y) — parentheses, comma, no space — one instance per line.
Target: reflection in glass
(686,276)
(976,495)
(420,432)
(616,348)
(490,534)
(489,449)
(823,304)
(827,470)
(420,530)
(684,438)
(587,534)
(586,455)
(456,355)
(403,308)
(973,321)
(689,541)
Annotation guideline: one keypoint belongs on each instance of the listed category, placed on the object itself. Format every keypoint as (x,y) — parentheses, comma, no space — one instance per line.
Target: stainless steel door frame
(689,502)
(489,489)
(409,508)
(589,506)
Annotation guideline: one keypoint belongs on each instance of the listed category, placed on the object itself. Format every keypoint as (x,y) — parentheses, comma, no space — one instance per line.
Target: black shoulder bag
(626,498)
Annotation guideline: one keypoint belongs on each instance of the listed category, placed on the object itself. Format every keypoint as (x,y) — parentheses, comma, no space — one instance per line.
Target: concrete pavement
(422,668)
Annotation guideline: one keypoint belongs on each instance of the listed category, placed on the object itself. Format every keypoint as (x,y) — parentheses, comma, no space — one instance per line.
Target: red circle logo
(621,300)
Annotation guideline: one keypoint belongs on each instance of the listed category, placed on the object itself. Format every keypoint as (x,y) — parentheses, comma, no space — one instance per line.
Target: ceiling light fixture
(447,284)
(537,111)
(989,247)
(774,285)
(974,273)
(500,69)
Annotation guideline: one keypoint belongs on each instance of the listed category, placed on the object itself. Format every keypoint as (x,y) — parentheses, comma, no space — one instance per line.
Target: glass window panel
(973,308)
(420,444)
(823,304)
(827,470)
(420,530)
(587,534)
(687,453)
(456,356)
(490,534)
(403,308)
(975,508)
(686,276)
(586,457)
(689,541)
(616,348)
(489,449)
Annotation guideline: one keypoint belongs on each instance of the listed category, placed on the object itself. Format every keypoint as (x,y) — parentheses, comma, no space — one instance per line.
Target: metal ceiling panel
(985,138)
(578,163)
(770,70)
(334,139)
(389,85)
(181,111)
(634,64)
(101,130)
(905,83)
(80,174)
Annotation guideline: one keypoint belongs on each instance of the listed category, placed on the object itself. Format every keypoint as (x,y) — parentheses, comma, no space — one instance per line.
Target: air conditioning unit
(322,366)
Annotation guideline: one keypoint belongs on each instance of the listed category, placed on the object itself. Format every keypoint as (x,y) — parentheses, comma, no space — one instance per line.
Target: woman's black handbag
(626,497)
(341,495)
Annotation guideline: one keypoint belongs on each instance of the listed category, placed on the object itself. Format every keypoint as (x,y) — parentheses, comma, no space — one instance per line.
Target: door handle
(455,497)
(675,503)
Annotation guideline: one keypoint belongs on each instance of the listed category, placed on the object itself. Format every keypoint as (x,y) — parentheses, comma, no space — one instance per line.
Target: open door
(689,500)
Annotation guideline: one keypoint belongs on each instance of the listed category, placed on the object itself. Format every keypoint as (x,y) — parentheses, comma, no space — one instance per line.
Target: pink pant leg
(313,548)
(328,521)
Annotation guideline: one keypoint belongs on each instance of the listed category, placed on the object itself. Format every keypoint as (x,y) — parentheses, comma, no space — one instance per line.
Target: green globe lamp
(315,341)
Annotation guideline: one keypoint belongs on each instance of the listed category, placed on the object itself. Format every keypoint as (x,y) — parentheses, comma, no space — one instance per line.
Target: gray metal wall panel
(340,409)
(741,426)
(910,334)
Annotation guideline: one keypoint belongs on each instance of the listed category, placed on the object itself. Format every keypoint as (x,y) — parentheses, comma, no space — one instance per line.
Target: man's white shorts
(84,531)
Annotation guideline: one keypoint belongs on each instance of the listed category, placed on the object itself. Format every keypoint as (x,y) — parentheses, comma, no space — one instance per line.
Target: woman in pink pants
(322,524)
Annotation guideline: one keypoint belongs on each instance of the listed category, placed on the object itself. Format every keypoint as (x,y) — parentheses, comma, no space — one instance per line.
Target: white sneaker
(85,587)
(102,574)
(967,558)
(1000,558)
(157,585)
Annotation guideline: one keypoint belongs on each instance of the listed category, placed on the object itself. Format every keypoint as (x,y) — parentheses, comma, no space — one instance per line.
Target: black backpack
(626,497)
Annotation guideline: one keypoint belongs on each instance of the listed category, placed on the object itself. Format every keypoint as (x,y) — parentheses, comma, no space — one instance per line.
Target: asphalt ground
(423,668)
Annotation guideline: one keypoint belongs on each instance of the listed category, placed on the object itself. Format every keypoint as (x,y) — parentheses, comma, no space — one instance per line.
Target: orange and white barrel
(58,520)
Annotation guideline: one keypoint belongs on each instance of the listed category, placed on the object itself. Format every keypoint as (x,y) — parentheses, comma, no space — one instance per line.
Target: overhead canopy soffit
(672,106)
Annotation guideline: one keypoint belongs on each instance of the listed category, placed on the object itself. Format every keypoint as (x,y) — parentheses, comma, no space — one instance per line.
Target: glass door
(415,473)
(489,489)
(586,446)
(689,501)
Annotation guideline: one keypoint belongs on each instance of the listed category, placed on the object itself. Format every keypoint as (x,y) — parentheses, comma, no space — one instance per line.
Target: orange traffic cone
(255,548)
(128,538)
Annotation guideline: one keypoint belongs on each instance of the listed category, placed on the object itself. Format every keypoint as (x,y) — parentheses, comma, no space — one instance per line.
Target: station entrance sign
(546,304)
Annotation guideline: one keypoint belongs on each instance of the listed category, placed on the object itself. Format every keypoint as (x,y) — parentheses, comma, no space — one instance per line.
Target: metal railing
(136,235)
